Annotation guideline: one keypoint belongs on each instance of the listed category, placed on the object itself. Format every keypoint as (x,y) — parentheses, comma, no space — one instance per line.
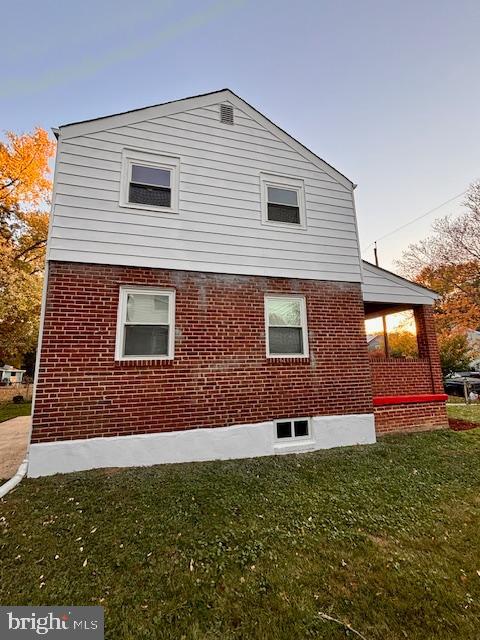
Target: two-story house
(206,298)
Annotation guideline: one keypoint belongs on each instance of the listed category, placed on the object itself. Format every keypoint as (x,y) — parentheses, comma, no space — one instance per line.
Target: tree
(25,188)
(455,353)
(449,262)
(402,344)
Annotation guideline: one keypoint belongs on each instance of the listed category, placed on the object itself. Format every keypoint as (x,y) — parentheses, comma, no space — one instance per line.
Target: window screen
(282,205)
(150,186)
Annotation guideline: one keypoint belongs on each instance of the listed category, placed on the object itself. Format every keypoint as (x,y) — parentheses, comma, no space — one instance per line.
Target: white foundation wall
(195,445)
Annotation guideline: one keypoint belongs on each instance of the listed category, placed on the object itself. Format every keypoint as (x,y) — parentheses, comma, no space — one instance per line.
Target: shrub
(18,399)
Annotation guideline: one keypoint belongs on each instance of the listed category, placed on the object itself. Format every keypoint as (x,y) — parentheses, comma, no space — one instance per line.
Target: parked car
(454,384)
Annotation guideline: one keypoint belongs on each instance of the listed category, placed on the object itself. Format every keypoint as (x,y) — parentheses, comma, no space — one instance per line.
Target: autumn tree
(25,188)
(449,262)
(455,353)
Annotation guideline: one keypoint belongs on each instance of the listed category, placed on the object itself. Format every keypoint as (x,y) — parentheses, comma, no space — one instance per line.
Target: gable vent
(226,113)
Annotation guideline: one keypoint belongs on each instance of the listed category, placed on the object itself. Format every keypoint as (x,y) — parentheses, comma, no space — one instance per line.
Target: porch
(407,382)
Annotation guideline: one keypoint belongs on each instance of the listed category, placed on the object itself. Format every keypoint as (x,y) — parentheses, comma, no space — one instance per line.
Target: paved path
(13,444)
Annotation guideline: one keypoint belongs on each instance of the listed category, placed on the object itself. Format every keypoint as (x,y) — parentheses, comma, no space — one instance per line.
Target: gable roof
(380,285)
(102,123)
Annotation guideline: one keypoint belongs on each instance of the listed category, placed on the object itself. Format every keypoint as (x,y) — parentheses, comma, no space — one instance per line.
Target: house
(206,298)
(473,340)
(10,375)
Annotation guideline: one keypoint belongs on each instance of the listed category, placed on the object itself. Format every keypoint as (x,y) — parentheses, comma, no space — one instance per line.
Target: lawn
(385,538)
(11,410)
(468,412)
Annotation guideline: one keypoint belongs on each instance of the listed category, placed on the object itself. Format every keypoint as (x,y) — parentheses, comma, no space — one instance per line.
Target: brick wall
(423,416)
(394,376)
(220,374)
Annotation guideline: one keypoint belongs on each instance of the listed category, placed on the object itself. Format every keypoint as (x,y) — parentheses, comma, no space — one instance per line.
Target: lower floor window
(286,326)
(291,429)
(145,328)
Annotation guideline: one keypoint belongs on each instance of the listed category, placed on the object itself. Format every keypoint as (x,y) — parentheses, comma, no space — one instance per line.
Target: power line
(424,215)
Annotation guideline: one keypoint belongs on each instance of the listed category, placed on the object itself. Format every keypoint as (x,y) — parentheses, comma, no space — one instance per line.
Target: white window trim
(121,315)
(293,441)
(169,163)
(283,182)
(303,324)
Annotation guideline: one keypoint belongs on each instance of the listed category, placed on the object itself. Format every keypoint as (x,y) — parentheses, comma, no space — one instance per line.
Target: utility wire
(424,215)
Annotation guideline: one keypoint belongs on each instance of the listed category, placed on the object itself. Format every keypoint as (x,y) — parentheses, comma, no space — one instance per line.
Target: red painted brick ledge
(379,401)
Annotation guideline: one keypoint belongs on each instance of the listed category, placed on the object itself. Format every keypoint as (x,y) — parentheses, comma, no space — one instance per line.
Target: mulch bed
(461,425)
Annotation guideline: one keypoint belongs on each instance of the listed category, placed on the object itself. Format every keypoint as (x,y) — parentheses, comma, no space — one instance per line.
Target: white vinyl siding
(219,223)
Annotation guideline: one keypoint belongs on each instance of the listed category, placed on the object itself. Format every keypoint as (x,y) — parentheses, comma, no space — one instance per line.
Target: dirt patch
(461,425)
(13,444)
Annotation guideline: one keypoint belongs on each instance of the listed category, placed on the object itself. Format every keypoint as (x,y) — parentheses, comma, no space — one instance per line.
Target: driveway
(13,444)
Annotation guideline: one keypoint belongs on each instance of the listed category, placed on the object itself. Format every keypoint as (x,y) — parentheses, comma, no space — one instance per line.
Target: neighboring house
(10,375)
(473,338)
(206,298)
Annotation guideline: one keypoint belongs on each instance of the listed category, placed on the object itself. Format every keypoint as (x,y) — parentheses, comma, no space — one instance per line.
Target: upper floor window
(149,181)
(283,201)
(145,325)
(286,326)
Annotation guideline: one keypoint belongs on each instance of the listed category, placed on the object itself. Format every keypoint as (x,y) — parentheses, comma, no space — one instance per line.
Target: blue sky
(387,92)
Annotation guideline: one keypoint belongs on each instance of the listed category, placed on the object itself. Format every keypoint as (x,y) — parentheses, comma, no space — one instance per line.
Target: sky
(387,92)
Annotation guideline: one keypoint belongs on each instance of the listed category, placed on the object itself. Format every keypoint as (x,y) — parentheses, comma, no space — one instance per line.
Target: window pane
(281,213)
(283,312)
(284,429)
(146,308)
(285,340)
(301,428)
(146,340)
(156,196)
(401,335)
(150,175)
(282,196)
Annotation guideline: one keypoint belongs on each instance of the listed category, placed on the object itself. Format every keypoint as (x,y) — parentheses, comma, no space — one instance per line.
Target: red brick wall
(394,376)
(410,417)
(220,374)
(427,344)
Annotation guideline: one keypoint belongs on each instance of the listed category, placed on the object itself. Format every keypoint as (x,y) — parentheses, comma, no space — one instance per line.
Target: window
(293,429)
(393,335)
(283,201)
(149,181)
(145,327)
(286,326)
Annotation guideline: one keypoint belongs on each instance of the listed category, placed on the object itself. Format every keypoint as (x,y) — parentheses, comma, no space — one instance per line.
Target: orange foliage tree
(25,189)
(449,262)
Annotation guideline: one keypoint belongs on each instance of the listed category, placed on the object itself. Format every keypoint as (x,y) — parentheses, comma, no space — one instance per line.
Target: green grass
(468,412)
(11,410)
(385,538)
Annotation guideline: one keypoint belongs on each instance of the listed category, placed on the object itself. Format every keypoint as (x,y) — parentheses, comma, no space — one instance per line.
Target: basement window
(149,181)
(286,326)
(145,324)
(283,201)
(292,429)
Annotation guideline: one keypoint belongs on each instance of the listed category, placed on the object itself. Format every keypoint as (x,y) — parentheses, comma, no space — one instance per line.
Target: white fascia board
(290,141)
(427,296)
(187,104)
